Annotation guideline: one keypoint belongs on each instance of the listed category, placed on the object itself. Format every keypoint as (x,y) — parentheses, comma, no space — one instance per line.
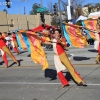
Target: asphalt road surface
(29,82)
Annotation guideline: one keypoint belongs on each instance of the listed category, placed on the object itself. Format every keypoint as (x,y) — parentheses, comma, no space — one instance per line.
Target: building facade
(24,22)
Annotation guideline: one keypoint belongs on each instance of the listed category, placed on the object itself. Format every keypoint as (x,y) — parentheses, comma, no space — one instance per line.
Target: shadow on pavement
(92,50)
(69,77)
(50,73)
(80,58)
(29,55)
(1,63)
(19,61)
(23,52)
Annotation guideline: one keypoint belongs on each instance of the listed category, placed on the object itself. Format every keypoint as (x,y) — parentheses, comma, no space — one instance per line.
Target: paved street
(29,82)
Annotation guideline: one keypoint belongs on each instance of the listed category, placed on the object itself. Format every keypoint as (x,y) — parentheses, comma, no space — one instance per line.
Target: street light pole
(60,17)
(19,11)
(69,11)
(19,14)
(69,4)
(41,2)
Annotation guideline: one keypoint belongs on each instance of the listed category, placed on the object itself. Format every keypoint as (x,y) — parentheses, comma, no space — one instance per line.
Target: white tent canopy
(94,15)
(81,18)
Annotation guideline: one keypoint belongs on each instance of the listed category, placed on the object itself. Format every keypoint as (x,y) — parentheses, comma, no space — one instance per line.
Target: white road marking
(37,83)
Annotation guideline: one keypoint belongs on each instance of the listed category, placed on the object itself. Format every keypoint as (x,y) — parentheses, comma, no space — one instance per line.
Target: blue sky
(17,6)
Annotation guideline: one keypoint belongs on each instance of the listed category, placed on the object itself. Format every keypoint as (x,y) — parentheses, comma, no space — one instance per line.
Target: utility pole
(24,11)
(19,12)
(59,9)
(41,2)
(69,11)
(69,4)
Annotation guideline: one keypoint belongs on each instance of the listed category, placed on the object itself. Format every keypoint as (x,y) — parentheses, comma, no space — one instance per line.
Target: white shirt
(8,38)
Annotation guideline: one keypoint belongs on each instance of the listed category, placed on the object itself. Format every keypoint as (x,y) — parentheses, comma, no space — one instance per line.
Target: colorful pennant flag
(74,36)
(20,41)
(34,47)
(90,24)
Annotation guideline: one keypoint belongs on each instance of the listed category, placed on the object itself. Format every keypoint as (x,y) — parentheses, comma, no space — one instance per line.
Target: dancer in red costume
(58,65)
(5,50)
(14,43)
(62,61)
(4,57)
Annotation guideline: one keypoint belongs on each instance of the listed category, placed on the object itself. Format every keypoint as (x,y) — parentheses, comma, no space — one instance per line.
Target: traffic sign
(41,9)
